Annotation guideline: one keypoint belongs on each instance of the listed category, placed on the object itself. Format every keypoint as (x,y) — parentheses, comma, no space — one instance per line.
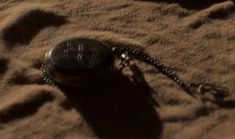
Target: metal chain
(201,88)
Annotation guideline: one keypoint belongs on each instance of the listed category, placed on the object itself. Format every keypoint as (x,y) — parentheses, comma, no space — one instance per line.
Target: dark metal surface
(79,61)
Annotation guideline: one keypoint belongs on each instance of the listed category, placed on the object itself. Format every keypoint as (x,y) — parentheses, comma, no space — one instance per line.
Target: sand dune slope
(196,38)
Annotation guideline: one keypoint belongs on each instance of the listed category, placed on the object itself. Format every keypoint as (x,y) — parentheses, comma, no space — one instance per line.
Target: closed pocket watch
(85,63)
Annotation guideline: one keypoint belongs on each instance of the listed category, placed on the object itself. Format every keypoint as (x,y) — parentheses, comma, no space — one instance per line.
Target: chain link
(201,88)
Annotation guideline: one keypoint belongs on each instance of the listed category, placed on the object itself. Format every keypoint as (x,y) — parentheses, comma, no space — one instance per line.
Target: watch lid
(79,56)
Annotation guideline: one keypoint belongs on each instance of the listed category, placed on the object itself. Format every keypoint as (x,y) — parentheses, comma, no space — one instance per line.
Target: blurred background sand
(196,37)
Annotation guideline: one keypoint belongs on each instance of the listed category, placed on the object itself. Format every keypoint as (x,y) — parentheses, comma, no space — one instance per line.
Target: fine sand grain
(195,37)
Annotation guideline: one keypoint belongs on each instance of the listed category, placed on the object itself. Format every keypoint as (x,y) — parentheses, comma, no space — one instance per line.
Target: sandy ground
(196,37)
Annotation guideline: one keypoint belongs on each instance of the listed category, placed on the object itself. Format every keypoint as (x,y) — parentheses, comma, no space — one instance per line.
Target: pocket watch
(84,63)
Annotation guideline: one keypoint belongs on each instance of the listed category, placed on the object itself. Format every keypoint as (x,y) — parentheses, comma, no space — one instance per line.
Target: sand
(196,38)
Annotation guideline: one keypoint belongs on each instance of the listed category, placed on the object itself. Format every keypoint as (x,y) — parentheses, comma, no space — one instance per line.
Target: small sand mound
(24,74)
(21,27)
(26,77)
(23,101)
(216,11)
(190,4)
